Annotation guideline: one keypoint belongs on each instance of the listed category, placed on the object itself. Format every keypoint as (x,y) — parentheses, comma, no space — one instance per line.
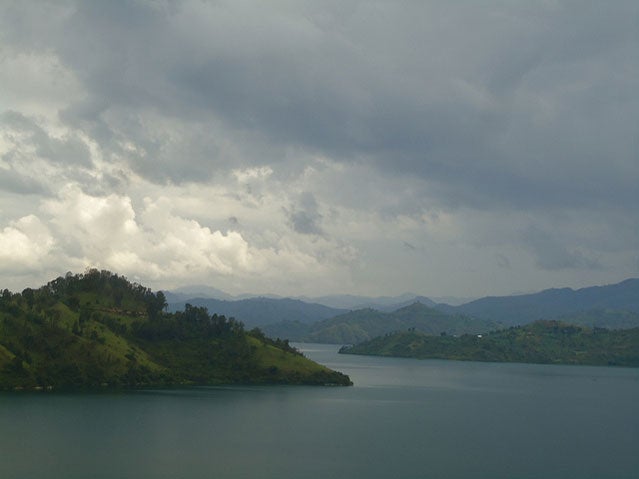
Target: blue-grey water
(403,419)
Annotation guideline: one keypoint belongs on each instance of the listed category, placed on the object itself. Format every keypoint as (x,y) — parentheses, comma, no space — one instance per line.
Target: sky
(321,147)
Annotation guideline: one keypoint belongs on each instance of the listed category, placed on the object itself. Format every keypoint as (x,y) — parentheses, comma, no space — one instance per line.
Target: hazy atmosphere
(304,148)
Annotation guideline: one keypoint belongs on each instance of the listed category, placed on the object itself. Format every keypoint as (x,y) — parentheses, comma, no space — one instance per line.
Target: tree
(161,300)
(29,297)
(155,303)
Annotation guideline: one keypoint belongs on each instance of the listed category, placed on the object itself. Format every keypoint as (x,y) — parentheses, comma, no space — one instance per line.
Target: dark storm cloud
(304,217)
(68,150)
(552,254)
(475,100)
(340,96)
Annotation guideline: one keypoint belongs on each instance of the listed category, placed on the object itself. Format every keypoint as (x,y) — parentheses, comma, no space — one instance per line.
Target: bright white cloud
(26,244)
(154,242)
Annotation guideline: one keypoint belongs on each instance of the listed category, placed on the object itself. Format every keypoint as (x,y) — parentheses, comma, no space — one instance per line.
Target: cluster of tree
(93,290)
(192,323)
(109,284)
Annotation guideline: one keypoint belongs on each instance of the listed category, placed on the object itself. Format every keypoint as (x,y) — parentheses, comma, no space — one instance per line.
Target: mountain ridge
(295,319)
(552,303)
(363,324)
(260,311)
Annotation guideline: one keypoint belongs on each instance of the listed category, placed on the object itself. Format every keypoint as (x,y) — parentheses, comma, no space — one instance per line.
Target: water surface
(403,418)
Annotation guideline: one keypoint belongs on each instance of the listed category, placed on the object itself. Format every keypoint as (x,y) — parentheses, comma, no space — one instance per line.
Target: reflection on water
(403,418)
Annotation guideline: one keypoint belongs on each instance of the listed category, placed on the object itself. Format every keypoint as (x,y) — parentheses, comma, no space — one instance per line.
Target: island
(99,330)
(544,342)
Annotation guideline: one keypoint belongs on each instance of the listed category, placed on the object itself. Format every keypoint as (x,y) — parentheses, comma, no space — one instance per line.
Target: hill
(257,312)
(364,324)
(98,329)
(379,303)
(547,342)
(552,303)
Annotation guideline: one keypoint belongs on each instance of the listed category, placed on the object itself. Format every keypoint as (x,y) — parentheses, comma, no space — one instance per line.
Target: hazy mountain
(363,324)
(551,303)
(452,300)
(601,306)
(185,293)
(262,311)
(198,291)
(416,299)
(342,302)
(349,301)
(291,330)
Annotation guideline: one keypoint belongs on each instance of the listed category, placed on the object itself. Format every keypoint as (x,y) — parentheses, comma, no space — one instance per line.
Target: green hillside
(99,330)
(364,324)
(546,342)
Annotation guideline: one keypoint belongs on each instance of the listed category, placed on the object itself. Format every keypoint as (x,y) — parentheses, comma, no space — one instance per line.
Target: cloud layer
(304,147)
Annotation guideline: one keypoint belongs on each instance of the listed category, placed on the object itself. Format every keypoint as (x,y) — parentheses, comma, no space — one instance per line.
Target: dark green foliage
(278,343)
(97,329)
(154,304)
(192,323)
(550,342)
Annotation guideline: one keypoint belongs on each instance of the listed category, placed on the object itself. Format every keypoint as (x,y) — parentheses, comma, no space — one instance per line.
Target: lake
(404,418)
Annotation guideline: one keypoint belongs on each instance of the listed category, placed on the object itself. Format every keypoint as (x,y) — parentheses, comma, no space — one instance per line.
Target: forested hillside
(99,330)
(547,342)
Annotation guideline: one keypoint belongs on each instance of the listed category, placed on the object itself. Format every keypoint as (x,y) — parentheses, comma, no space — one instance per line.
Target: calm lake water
(403,419)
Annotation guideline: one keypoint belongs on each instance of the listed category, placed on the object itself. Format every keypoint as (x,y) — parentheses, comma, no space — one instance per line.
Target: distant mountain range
(379,303)
(613,306)
(364,324)
(551,303)
(258,312)
(344,302)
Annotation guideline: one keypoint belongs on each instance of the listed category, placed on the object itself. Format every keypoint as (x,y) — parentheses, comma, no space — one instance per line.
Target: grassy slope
(281,364)
(53,355)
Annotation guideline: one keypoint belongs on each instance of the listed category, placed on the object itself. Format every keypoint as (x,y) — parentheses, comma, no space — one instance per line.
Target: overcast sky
(311,147)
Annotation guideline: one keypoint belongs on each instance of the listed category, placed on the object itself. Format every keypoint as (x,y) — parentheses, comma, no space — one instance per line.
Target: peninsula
(97,330)
(545,342)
